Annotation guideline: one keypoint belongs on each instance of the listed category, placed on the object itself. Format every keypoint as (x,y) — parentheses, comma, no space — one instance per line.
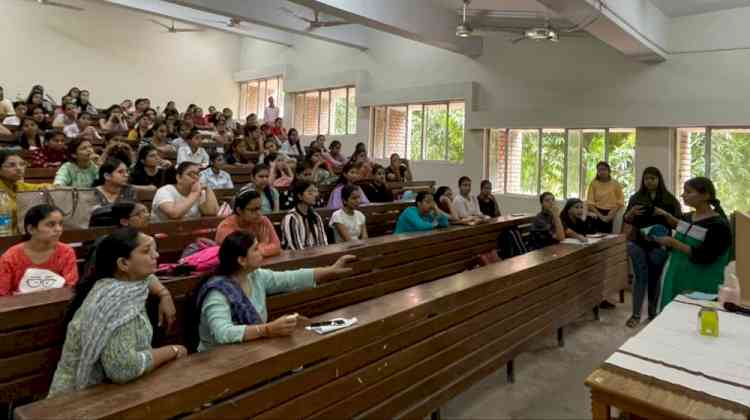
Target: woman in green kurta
(701,245)
(108,331)
(232,303)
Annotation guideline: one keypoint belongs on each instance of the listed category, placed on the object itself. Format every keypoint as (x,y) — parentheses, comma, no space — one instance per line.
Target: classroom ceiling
(679,8)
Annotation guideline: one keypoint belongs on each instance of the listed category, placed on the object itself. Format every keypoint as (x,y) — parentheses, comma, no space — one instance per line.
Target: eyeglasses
(21,165)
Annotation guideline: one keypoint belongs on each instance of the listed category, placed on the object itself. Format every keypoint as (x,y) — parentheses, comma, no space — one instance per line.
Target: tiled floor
(549,379)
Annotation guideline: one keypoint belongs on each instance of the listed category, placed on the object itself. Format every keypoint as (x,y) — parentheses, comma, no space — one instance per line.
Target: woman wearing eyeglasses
(188,198)
(41,262)
(12,170)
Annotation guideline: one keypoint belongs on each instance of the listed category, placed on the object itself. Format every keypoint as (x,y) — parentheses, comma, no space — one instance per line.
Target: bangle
(176,351)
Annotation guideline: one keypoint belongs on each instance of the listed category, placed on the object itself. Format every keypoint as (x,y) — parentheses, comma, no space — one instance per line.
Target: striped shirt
(297,234)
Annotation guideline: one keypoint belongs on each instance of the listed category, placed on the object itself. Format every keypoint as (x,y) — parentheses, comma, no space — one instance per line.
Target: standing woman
(700,249)
(232,304)
(112,185)
(647,257)
(79,171)
(41,261)
(108,332)
(302,227)
(604,198)
(348,223)
(349,175)
(247,217)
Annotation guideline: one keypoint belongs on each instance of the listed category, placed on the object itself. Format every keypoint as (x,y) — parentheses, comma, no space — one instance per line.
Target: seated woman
(12,170)
(320,167)
(109,334)
(465,205)
(232,303)
(142,129)
(424,216)
(113,120)
(112,185)
(443,198)
(292,145)
(575,221)
(700,249)
(79,171)
(149,171)
(334,158)
(302,227)
(29,136)
(546,228)
(52,153)
(348,223)
(40,116)
(377,190)
(160,140)
(398,171)
(604,198)
(247,217)
(193,152)
(188,198)
(214,176)
(487,202)
(119,214)
(280,174)
(349,175)
(41,261)
(647,257)
(268,194)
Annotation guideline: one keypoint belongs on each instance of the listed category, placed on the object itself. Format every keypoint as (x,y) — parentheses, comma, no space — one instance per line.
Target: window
(722,155)
(562,161)
(327,111)
(254,96)
(429,131)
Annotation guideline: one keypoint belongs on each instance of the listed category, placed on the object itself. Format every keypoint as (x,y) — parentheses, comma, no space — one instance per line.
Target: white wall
(116,54)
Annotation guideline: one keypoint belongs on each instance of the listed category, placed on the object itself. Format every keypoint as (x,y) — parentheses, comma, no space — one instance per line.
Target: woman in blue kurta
(701,246)
(423,216)
(232,303)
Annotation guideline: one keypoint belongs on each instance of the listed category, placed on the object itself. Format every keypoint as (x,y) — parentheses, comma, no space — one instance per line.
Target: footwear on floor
(632,322)
(606,305)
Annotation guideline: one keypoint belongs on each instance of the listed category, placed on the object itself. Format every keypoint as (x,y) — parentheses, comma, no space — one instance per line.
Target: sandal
(632,322)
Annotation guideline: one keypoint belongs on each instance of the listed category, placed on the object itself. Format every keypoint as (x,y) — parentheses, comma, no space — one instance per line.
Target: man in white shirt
(465,204)
(67,117)
(20,115)
(6,106)
(271,112)
(215,177)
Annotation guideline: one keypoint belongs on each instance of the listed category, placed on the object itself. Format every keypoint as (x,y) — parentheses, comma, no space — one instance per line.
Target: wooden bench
(411,351)
(31,334)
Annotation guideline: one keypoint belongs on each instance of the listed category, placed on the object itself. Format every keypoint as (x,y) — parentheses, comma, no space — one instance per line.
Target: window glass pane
(574,163)
(396,135)
(456,132)
(311,114)
(325,102)
(496,159)
(299,111)
(730,172)
(243,100)
(252,98)
(621,157)
(593,152)
(378,132)
(691,156)
(280,96)
(523,161)
(338,111)
(436,131)
(262,99)
(553,161)
(352,106)
(415,132)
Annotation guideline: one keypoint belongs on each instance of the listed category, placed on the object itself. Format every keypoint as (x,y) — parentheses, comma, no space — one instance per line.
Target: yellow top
(11,190)
(605,195)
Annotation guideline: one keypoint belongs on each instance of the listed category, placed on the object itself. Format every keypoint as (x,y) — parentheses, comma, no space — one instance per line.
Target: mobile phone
(333,322)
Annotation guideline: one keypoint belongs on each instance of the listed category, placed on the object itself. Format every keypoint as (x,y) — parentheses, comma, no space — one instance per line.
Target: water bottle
(6,215)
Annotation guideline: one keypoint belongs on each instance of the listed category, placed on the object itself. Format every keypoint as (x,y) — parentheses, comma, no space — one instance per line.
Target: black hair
(298,189)
(142,154)
(119,244)
(23,141)
(6,153)
(85,114)
(347,192)
(35,215)
(267,190)
(606,165)
(543,195)
(462,179)
(272,157)
(704,185)
(244,198)
(565,218)
(348,167)
(234,246)
(50,134)
(661,190)
(107,168)
(16,104)
(421,196)
(215,155)
(73,148)
(440,192)
(485,182)
(193,132)
(109,110)
(184,166)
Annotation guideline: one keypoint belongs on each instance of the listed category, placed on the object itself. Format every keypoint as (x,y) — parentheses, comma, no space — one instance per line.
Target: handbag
(76,205)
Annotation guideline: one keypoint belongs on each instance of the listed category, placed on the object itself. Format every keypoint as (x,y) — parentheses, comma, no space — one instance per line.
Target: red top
(15,262)
(278,131)
(268,241)
(46,157)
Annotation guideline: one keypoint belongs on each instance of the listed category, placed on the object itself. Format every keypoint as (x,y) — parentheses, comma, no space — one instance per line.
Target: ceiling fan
(56,4)
(233,22)
(172,29)
(527,24)
(315,23)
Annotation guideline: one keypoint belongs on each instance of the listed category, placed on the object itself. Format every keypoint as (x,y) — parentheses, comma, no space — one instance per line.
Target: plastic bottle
(6,215)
